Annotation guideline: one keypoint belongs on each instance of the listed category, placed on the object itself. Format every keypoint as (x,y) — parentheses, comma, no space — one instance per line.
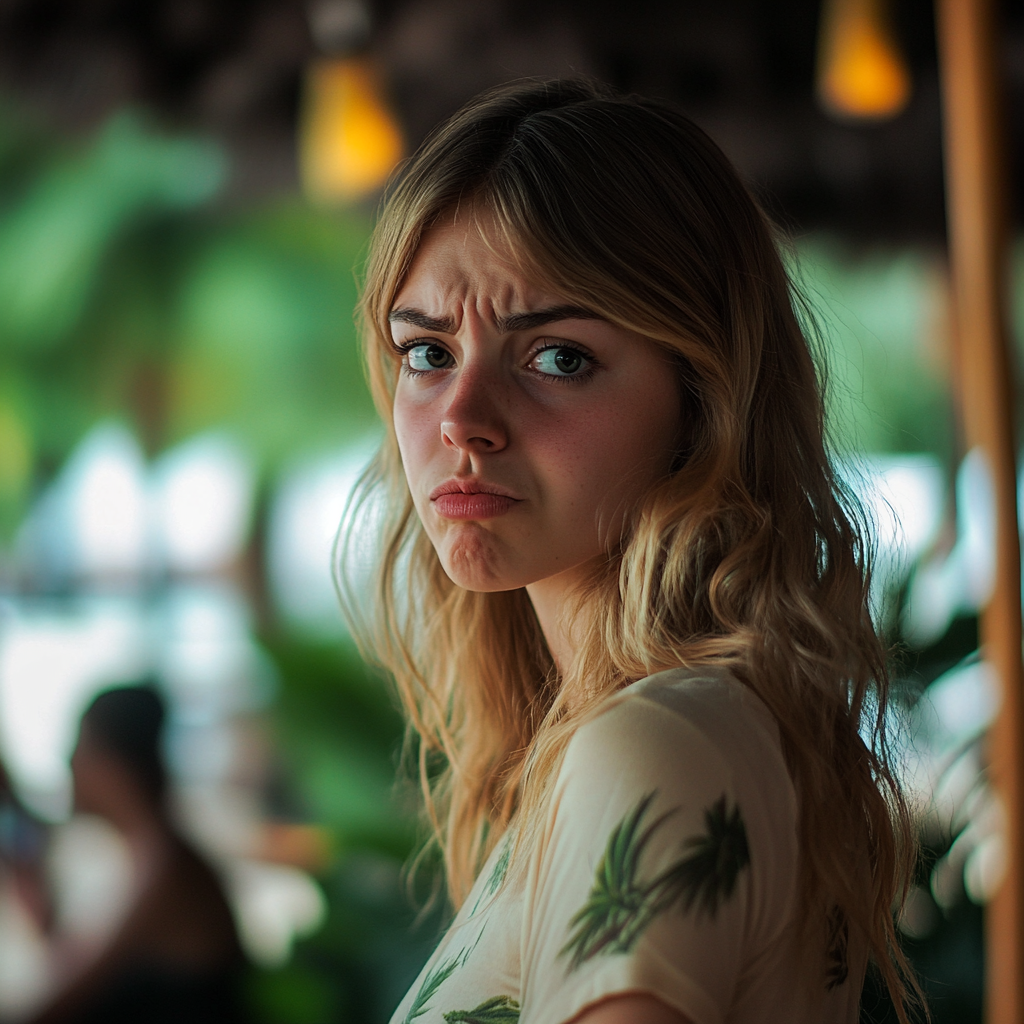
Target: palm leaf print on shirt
(496,877)
(620,906)
(431,983)
(496,1010)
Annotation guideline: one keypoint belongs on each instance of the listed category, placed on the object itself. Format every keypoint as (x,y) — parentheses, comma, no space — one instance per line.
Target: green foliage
(338,735)
(497,1010)
(266,339)
(53,243)
(620,906)
(126,291)
(885,345)
(291,995)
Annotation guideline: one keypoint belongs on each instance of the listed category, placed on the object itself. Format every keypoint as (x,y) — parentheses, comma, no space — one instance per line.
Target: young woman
(621,591)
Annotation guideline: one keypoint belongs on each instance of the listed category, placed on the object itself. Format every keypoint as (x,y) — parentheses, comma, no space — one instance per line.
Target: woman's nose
(475,420)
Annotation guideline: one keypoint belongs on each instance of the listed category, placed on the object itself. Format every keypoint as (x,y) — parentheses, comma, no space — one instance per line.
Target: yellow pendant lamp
(349,142)
(862,74)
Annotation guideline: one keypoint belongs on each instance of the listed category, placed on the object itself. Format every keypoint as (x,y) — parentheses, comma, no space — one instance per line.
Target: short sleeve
(643,881)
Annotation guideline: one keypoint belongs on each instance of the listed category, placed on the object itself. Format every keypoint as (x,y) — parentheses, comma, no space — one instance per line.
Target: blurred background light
(339,26)
(939,752)
(25,975)
(903,497)
(92,521)
(350,142)
(104,488)
(203,492)
(91,866)
(960,579)
(302,528)
(959,706)
(206,653)
(278,904)
(861,71)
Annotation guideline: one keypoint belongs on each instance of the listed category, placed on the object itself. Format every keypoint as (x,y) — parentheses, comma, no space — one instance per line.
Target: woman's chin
(478,568)
(472,559)
(481,580)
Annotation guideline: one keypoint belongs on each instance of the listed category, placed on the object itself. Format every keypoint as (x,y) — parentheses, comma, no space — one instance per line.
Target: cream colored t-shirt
(667,865)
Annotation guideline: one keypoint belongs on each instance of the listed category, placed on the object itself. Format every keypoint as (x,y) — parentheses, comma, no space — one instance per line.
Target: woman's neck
(549,598)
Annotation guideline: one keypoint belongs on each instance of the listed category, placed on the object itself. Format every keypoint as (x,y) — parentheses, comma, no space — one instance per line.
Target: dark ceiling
(742,68)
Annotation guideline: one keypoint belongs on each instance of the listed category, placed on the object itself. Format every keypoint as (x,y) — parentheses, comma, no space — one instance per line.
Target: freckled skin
(576,450)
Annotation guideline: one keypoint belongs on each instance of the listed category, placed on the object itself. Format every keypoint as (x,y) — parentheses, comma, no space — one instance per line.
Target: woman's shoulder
(684,727)
(669,855)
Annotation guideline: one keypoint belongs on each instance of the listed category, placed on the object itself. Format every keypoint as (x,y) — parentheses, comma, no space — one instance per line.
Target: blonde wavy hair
(750,555)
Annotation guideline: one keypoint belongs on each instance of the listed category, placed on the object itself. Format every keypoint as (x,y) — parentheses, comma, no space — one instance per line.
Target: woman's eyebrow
(505,324)
(530,321)
(426,322)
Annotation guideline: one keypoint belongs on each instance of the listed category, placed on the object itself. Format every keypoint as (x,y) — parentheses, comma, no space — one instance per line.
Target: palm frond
(431,983)
(496,1010)
(616,899)
(707,877)
(620,907)
(496,877)
(622,856)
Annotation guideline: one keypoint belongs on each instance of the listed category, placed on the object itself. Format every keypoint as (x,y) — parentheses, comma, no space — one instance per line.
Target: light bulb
(349,140)
(861,72)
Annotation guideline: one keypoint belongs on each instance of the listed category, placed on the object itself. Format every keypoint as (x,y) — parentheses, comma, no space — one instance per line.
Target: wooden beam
(975,198)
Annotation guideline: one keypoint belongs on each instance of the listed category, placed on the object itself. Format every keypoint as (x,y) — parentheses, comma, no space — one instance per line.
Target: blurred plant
(882,320)
(339,735)
(123,289)
(54,240)
(945,701)
(128,292)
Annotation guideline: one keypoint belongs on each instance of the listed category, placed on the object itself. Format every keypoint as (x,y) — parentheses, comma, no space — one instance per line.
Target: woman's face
(527,427)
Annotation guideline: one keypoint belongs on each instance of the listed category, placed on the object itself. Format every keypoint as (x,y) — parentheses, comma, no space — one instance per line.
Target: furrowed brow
(506,325)
(416,317)
(542,317)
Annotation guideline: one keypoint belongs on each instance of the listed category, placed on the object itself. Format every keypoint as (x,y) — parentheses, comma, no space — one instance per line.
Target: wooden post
(975,196)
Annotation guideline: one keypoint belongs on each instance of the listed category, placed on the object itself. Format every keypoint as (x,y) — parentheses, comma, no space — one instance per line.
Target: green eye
(560,362)
(428,357)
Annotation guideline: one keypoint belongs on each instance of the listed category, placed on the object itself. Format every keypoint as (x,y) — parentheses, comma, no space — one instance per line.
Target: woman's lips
(477,505)
(466,498)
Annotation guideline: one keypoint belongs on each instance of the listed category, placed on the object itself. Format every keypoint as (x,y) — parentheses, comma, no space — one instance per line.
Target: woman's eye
(561,362)
(428,357)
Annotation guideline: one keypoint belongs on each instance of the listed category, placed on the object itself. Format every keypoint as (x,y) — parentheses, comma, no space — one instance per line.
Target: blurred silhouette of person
(175,957)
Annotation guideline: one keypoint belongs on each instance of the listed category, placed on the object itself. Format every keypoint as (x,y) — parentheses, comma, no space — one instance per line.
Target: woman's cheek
(414,431)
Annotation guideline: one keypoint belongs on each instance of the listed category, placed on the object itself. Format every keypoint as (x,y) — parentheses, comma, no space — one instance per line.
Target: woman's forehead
(464,260)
